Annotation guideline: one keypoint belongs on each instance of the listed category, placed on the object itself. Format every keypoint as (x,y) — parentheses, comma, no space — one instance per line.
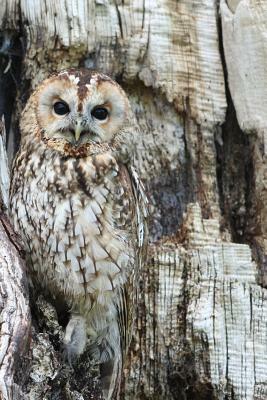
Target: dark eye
(100,113)
(61,108)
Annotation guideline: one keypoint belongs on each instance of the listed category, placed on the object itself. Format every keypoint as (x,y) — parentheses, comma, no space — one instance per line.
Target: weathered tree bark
(14,311)
(201,326)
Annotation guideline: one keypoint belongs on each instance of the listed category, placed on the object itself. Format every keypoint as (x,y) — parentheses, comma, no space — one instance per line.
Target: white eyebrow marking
(72,78)
(93,80)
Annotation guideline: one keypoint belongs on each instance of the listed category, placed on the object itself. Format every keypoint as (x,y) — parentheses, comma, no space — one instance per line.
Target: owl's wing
(127,294)
(132,204)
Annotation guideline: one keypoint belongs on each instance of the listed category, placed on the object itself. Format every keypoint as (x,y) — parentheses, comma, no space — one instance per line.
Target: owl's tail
(111,372)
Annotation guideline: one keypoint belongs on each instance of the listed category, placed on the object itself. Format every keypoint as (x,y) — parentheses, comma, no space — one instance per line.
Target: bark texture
(201,324)
(14,310)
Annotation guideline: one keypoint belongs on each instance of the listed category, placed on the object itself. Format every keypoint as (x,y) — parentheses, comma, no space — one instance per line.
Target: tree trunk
(14,310)
(201,325)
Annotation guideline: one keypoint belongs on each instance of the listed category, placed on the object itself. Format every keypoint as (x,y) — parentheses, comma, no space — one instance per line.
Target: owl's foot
(75,338)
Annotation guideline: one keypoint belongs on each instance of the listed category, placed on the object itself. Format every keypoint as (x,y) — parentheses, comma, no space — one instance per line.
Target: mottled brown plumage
(79,206)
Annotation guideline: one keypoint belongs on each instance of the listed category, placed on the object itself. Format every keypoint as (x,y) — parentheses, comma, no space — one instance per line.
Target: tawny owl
(80,208)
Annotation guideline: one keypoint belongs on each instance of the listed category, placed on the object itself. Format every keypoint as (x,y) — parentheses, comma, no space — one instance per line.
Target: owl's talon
(69,358)
(75,339)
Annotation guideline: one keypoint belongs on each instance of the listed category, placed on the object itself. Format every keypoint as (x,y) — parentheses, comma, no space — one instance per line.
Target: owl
(80,208)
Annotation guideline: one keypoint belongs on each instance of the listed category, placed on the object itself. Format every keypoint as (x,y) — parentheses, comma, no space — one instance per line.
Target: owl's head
(77,110)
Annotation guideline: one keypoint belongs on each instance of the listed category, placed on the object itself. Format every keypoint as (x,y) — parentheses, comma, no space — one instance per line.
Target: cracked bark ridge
(4,170)
(14,311)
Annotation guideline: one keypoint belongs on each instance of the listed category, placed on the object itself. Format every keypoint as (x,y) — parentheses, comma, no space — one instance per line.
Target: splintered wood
(4,171)
(14,316)
(244,40)
(15,312)
(205,318)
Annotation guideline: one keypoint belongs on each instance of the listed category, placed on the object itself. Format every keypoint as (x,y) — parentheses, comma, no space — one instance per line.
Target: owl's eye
(61,108)
(100,113)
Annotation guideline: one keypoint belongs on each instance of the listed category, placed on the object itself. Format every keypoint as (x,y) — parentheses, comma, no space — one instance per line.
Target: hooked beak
(78,130)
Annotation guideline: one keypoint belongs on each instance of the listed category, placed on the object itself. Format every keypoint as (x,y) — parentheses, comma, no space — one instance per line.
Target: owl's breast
(76,218)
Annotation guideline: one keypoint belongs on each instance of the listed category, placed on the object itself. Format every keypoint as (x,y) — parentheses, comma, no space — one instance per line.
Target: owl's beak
(78,129)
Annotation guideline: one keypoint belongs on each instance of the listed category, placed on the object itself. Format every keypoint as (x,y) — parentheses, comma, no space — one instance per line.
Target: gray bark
(14,311)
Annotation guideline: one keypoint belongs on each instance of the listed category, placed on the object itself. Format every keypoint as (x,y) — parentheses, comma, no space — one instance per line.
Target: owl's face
(80,108)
